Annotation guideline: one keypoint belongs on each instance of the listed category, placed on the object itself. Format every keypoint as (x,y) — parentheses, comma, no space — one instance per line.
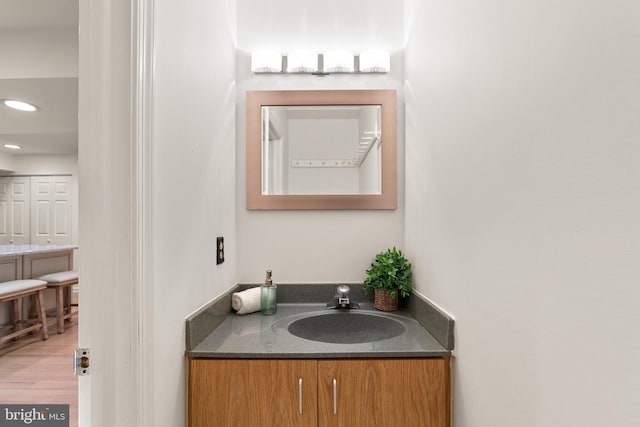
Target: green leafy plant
(390,271)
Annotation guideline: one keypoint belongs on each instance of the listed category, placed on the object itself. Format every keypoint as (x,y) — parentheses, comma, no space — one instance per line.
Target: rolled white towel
(246,301)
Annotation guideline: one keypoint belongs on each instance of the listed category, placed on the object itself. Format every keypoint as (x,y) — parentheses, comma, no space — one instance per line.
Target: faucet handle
(343,290)
(343,295)
(341,299)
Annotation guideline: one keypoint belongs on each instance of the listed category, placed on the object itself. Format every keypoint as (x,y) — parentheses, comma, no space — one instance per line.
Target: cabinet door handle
(300,394)
(335,396)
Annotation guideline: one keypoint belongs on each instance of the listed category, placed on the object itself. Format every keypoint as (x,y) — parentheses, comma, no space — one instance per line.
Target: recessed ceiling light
(12,146)
(19,105)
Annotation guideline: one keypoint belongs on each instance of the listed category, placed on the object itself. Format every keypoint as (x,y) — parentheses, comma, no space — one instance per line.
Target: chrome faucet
(341,299)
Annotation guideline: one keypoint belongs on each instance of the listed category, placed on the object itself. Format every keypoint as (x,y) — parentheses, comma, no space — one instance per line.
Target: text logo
(34,415)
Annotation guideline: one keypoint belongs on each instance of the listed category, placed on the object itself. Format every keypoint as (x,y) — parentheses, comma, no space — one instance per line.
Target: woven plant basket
(383,301)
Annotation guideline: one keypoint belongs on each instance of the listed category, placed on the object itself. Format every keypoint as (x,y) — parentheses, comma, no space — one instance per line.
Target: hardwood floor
(41,372)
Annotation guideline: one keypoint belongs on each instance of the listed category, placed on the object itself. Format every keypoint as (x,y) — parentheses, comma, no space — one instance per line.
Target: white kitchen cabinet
(36,210)
(15,205)
(51,210)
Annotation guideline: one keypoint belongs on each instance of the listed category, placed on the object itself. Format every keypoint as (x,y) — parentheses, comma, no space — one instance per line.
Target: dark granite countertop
(217,332)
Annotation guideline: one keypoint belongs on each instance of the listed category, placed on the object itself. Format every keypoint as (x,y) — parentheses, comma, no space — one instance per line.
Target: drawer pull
(300,394)
(335,396)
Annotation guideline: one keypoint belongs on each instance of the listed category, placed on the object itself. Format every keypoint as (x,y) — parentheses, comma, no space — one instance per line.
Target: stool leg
(32,307)
(60,309)
(18,310)
(67,302)
(15,315)
(42,315)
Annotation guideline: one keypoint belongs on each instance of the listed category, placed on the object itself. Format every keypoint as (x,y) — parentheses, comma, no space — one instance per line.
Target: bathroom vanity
(309,366)
(319,392)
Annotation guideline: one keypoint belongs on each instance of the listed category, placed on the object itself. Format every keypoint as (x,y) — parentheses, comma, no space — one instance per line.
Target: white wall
(314,139)
(522,203)
(285,25)
(33,53)
(314,246)
(50,164)
(6,163)
(193,162)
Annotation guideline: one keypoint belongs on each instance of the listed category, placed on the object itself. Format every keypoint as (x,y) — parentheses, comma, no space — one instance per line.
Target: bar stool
(62,282)
(15,290)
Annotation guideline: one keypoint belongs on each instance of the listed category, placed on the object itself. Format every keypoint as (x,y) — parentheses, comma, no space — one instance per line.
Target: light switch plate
(219,250)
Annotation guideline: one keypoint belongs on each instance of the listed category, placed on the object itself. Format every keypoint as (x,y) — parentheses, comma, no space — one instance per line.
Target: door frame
(114,162)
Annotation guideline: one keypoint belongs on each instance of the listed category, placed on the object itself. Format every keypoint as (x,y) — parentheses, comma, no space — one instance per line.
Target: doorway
(40,51)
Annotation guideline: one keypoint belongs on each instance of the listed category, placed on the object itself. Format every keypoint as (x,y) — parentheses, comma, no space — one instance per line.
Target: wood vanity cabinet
(263,393)
(259,392)
(384,392)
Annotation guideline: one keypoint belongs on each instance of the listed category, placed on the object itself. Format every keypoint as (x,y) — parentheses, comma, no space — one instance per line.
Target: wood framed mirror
(321,149)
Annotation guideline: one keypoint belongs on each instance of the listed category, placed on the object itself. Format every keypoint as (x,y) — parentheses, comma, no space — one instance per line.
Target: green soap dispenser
(268,296)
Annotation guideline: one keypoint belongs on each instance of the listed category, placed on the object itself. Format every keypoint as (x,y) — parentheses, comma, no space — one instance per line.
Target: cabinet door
(260,393)
(51,210)
(14,210)
(384,392)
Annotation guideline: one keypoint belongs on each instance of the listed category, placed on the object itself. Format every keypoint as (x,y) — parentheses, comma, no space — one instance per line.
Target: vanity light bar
(338,61)
(302,61)
(374,61)
(308,62)
(266,61)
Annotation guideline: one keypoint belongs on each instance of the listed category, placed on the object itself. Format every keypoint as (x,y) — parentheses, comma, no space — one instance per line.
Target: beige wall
(193,199)
(57,53)
(522,203)
(315,246)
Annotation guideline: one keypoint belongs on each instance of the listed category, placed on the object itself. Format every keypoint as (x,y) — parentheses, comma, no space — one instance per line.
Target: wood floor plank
(41,372)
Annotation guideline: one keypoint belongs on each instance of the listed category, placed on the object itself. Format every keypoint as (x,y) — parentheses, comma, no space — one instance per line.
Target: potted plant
(389,275)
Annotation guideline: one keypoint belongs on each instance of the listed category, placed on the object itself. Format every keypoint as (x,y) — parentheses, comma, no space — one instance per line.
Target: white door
(116,392)
(51,210)
(14,210)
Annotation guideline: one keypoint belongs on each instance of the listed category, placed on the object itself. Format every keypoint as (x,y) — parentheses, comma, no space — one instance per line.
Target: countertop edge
(21,250)
(319,355)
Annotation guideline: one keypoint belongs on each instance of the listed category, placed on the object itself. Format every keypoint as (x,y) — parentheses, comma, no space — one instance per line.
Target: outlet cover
(219,250)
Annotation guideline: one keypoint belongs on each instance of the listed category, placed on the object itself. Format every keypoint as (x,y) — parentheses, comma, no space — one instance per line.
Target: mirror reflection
(321,149)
